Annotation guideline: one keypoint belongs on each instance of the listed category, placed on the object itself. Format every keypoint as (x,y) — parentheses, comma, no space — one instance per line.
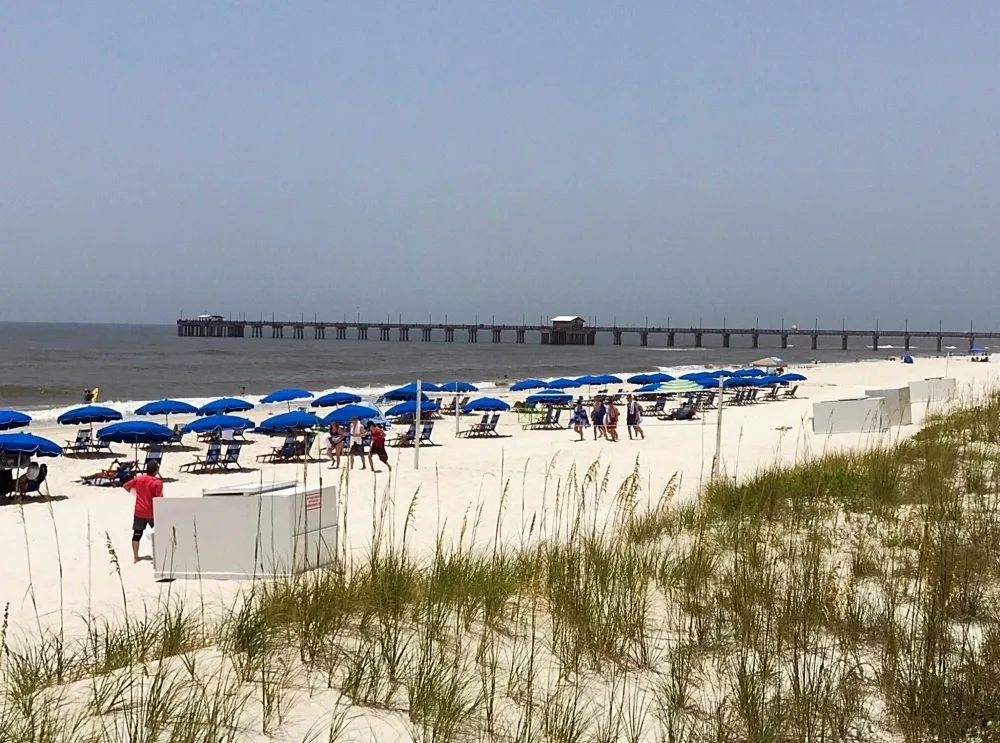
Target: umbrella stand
(716,465)
(458,413)
(416,433)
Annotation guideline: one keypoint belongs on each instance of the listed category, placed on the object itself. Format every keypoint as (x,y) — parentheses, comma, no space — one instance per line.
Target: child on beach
(145,487)
(377,447)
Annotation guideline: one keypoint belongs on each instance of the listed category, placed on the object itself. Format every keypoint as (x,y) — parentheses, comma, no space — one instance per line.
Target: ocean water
(46,367)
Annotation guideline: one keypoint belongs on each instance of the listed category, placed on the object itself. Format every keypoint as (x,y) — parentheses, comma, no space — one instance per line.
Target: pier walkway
(405,331)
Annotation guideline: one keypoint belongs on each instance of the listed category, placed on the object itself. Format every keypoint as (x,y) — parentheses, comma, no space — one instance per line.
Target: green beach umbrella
(680,385)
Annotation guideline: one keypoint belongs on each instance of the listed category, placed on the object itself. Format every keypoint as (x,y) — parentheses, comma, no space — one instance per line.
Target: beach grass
(853,596)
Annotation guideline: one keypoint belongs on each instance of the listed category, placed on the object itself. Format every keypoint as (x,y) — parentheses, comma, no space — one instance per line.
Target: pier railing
(401,331)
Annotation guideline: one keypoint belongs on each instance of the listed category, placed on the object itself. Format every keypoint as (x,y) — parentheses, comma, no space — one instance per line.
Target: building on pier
(567,330)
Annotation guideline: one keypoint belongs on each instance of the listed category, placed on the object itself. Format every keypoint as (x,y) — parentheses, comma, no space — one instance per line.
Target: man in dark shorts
(145,487)
(377,447)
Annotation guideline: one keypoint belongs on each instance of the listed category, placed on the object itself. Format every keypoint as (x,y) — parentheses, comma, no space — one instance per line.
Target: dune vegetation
(853,596)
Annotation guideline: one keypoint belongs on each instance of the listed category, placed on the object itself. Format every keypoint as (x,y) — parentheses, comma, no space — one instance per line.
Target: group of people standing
(354,435)
(604,416)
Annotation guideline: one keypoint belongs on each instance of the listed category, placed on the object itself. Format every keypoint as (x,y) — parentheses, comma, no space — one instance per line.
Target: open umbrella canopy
(483,404)
(335,398)
(89,414)
(680,385)
(286,395)
(590,379)
(549,396)
(749,373)
(362,411)
(225,405)
(13,419)
(977,349)
(295,420)
(738,382)
(719,373)
(409,407)
(650,378)
(527,384)
(792,377)
(695,376)
(768,362)
(166,407)
(770,379)
(562,384)
(136,432)
(409,391)
(648,388)
(218,423)
(458,386)
(28,443)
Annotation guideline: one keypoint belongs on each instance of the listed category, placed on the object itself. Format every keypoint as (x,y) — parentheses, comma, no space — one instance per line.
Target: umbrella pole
(458,417)
(716,463)
(416,433)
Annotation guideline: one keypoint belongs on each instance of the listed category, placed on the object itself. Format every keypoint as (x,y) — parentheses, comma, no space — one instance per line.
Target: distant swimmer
(90,395)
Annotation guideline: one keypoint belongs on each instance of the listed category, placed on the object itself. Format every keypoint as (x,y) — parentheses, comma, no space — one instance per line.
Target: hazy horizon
(738,162)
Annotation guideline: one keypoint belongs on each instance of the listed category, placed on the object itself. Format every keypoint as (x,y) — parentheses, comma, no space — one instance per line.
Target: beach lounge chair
(554,420)
(708,401)
(790,394)
(656,410)
(153,455)
(540,423)
(281,453)
(231,459)
(178,436)
(23,485)
(425,434)
(405,439)
(683,413)
(491,429)
(477,429)
(80,444)
(116,475)
(771,395)
(204,463)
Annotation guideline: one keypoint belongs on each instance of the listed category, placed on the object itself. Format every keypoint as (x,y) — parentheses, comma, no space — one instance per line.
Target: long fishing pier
(573,331)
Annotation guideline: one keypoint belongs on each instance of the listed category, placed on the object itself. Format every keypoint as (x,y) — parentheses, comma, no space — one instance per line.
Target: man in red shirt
(145,487)
(378,447)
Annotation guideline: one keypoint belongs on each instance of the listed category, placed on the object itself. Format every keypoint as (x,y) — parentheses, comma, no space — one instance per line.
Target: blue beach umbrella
(225,405)
(136,432)
(591,379)
(89,414)
(648,388)
(286,395)
(719,373)
(749,373)
(28,443)
(527,384)
(13,419)
(167,407)
(694,376)
(218,423)
(769,379)
(295,420)
(792,377)
(409,391)
(562,383)
(362,411)
(650,378)
(484,404)
(335,398)
(737,382)
(409,407)
(549,396)
(458,386)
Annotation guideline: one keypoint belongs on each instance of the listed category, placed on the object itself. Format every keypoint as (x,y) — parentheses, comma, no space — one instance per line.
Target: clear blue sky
(728,159)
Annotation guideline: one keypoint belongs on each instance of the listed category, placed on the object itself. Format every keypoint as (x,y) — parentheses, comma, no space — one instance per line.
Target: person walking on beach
(357,432)
(597,417)
(611,421)
(633,418)
(145,487)
(334,441)
(579,419)
(377,448)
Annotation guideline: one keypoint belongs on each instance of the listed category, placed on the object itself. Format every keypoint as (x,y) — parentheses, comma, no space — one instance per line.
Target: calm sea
(46,367)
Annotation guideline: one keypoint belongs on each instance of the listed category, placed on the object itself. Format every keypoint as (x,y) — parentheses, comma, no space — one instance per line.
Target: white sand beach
(58,566)
(455,478)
